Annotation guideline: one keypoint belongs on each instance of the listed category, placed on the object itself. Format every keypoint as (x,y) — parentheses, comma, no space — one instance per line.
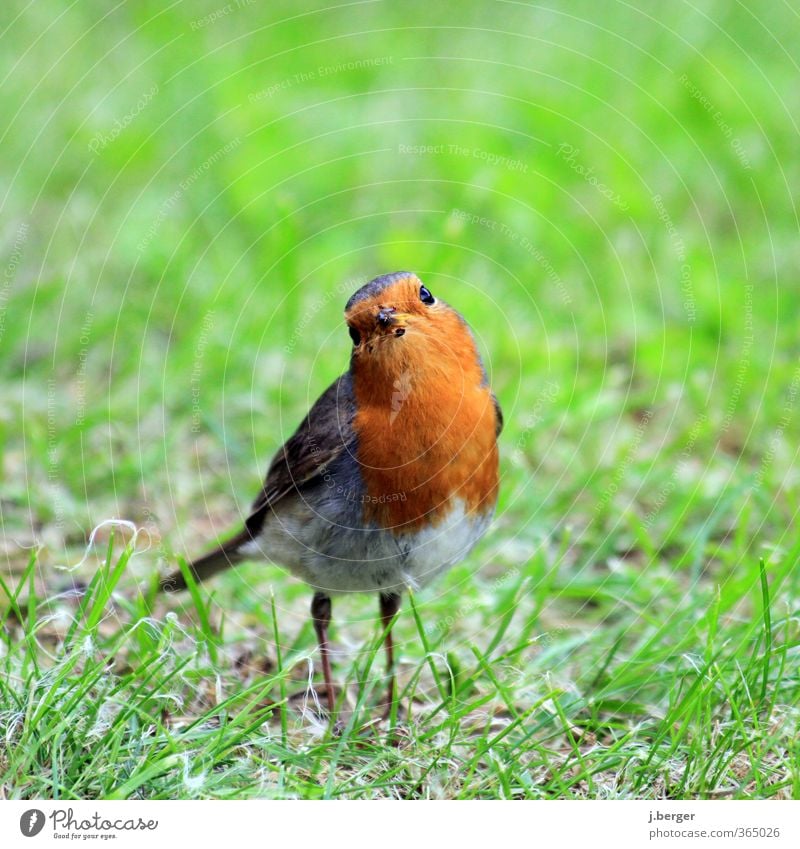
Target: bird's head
(399,328)
(392,312)
(385,309)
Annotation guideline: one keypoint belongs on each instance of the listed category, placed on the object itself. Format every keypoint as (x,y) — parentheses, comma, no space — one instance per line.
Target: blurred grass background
(607,193)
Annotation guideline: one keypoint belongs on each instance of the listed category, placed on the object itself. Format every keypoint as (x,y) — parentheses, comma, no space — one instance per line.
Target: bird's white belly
(338,559)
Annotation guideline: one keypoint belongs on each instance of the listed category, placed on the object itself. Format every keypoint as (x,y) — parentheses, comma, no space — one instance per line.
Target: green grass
(607,196)
(144,706)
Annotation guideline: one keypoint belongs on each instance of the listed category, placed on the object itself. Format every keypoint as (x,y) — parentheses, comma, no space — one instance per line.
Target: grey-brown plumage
(324,434)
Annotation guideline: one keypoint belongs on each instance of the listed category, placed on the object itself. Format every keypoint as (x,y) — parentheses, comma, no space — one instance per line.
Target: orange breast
(426,429)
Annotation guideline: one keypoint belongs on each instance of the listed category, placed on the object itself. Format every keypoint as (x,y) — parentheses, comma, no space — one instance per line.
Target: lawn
(191,192)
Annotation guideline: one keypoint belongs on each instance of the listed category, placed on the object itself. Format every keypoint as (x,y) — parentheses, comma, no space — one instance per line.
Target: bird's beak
(385,323)
(388,320)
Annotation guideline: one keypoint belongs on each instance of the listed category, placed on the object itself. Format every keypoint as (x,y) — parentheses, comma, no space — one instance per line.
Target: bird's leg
(390,604)
(321,614)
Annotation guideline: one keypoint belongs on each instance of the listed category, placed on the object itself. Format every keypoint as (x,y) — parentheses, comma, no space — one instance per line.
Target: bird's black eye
(355,335)
(425,296)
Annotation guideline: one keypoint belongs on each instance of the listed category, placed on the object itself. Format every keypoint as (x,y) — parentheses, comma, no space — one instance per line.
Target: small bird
(392,477)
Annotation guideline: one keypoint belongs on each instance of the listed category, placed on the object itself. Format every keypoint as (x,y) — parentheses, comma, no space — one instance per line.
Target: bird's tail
(227,554)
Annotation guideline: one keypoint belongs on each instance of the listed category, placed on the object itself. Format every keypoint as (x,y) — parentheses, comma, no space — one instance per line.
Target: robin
(392,477)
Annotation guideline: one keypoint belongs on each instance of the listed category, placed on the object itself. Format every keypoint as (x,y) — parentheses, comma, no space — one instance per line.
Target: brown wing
(322,436)
(498,429)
